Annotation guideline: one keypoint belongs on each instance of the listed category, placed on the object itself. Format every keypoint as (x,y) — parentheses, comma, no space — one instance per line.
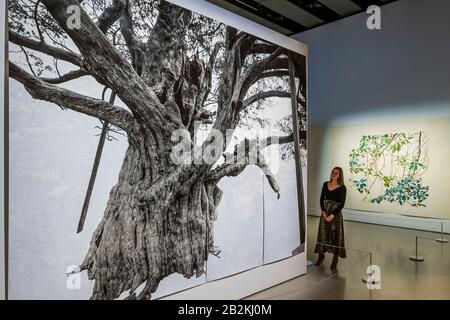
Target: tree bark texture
(145,241)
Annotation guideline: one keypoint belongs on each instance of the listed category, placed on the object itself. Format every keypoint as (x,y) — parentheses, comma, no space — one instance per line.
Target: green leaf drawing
(389,168)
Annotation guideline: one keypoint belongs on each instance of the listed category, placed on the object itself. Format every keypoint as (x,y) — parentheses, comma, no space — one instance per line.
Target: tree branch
(271,74)
(104,62)
(111,15)
(277,140)
(209,70)
(264,95)
(72,75)
(255,70)
(249,152)
(244,43)
(35,16)
(262,48)
(126,29)
(41,90)
(20,40)
(233,170)
(27,58)
(236,45)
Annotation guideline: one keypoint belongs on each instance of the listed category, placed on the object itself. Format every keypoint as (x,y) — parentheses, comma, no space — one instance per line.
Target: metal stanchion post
(416,257)
(442,239)
(369,279)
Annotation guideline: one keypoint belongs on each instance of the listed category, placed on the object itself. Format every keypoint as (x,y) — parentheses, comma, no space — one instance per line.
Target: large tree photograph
(152,149)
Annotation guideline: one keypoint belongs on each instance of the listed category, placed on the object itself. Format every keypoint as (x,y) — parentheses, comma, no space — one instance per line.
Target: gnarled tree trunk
(152,229)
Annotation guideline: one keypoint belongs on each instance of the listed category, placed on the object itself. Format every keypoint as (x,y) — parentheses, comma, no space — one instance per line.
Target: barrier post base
(416,258)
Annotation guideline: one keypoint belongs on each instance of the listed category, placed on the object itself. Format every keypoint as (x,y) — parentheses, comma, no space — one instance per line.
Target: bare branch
(72,75)
(272,74)
(111,15)
(55,63)
(107,66)
(126,26)
(227,106)
(249,152)
(262,164)
(55,41)
(247,145)
(264,95)
(244,43)
(35,15)
(253,72)
(226,170)
(20,40)
(41,90)
(27,58)
(276,140)
(121,9)
(233,170)
(262,48)
(209,70)
(132,42)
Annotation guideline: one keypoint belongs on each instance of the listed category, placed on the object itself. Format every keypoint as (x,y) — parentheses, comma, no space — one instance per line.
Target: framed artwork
(395,167)
(152,149)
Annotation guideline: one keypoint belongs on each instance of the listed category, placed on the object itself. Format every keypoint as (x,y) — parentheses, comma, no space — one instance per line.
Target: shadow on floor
(390,248)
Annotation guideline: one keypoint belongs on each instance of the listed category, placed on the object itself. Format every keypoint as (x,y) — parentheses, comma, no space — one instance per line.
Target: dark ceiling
(294,16)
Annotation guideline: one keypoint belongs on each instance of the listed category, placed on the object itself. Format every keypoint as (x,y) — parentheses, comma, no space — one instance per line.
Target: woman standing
(330,237)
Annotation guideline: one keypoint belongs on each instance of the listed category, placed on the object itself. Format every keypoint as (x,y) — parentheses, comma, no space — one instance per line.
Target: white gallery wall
(398,76)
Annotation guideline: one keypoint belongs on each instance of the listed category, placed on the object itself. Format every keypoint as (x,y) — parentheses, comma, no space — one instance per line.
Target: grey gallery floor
(391,248)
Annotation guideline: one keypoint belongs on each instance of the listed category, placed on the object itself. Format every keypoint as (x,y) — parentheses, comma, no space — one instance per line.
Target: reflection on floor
(391,248)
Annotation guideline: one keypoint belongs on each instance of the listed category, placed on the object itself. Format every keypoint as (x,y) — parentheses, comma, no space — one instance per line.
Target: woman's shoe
(320,259)
(334,262)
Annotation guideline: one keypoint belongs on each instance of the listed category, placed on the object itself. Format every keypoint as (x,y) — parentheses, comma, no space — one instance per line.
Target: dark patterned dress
(330,237)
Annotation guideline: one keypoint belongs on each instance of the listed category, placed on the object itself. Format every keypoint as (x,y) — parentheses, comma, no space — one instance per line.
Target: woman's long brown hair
(341,175)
